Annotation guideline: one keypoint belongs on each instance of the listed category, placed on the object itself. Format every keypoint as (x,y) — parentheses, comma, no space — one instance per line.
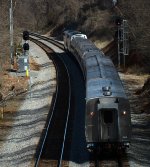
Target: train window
(108,116)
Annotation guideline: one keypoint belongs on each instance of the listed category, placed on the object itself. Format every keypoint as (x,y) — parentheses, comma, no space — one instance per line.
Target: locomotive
(107,115)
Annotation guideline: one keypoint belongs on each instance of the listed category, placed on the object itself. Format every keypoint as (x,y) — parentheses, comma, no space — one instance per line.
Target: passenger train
(107,115)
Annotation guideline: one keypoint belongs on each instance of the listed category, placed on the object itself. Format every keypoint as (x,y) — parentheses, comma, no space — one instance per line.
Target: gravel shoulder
(25,115)
(138,153)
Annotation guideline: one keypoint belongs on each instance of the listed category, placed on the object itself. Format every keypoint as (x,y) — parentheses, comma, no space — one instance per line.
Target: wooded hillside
(137,12)
(92,17)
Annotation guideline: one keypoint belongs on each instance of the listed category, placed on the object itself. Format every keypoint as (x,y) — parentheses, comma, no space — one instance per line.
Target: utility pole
(11,35)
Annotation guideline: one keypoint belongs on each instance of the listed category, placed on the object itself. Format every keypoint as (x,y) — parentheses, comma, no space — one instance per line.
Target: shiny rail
(60,45)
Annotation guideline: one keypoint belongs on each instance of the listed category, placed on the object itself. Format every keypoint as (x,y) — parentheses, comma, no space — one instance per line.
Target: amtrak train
(107,115)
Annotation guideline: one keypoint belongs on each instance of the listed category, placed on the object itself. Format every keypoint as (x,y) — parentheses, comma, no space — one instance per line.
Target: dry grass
(136,69)
(10,83)
(140,85)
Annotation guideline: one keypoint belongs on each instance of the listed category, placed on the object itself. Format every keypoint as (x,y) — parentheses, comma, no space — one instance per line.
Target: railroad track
(55,144)
(53,140)
(51,40)
(110,160)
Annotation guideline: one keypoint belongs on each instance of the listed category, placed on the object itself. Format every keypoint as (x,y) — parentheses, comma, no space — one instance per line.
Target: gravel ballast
(25,115)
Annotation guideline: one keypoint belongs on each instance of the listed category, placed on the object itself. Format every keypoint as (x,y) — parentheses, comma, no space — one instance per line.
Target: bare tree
(137,12)
(4,32)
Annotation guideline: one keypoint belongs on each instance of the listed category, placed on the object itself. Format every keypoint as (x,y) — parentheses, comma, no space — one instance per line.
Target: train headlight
(124,112)
(92,114)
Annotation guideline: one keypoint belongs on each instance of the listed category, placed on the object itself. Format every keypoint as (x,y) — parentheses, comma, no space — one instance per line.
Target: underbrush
(136,69)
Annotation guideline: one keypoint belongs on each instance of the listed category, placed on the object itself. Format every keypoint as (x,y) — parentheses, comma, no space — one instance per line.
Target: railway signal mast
(11,35)
(123,41)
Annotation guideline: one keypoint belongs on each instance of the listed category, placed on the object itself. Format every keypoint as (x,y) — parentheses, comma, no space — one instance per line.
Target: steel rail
(49,122)
(68,112)
(48,39)
(66,125)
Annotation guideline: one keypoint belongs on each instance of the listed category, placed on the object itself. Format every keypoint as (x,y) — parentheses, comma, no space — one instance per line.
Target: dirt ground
(140,88)
(12,83)
(11,86)
(139,98)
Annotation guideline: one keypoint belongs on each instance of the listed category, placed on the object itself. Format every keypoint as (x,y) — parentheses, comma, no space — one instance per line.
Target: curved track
(53,139)
(50,40)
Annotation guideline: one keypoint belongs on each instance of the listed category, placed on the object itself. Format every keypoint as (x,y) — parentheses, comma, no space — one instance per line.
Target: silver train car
(107,115)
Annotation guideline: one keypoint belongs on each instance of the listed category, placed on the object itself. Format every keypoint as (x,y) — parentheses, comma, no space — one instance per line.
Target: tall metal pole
(11,35)
(118,46)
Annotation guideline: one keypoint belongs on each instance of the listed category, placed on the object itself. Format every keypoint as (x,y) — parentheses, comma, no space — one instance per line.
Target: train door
(108,125)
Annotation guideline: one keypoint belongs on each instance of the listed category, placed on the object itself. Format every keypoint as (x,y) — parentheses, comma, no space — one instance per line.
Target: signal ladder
(123,42)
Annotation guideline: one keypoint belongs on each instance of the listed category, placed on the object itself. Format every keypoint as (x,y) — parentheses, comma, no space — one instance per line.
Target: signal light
(118,21)
(124,112)
(25,35)
(26,46)
(91,114)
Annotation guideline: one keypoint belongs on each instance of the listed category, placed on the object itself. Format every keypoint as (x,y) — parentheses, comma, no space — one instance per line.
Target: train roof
(84,45)
(95,88)
(71,32)
(100,72)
